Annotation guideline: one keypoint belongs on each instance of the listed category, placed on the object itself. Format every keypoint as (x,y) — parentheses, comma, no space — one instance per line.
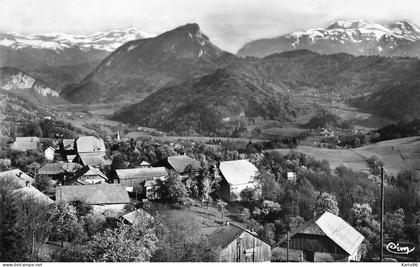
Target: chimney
(27,183)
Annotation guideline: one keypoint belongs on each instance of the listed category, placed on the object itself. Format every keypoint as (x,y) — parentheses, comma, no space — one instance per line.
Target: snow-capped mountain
(107,41)
(61,59)
(356,37)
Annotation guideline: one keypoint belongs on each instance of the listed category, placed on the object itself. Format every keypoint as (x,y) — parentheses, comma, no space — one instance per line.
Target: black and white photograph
(176,131)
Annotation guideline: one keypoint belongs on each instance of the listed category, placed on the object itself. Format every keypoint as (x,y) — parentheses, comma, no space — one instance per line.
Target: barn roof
(136,216)
(181,162)
(340,232)
(33,193)
(25,143)
(94,159)
(93,194)
(85,144)
(225,234)
(144,163)
(89,171)
(238,171)
(141,173)
(50,148)
(59,168)
(68,144)
(335,228)
(18,176)
(70,158)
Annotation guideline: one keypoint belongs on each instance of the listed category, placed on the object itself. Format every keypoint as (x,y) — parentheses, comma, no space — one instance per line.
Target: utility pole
(287,253)
(382,214)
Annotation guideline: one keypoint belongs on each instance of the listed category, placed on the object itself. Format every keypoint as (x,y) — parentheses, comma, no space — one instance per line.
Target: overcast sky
(228,23)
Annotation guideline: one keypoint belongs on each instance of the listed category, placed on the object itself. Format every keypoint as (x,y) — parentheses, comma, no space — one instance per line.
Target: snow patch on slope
(108,41)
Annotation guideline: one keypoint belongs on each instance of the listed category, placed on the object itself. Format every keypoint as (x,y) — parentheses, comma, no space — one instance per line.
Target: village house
(49,153)
(326,239)
(134,180)
(236,176)
(25,143)
(237,244)
(87,175)
(104,198)
(90,151)
(180,163)
(59,171)
(17,177)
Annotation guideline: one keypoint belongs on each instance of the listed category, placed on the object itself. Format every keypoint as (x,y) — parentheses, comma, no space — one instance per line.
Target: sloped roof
(89,171)
(93,194)
(136,216)
(224,235)
(50,148)
(70,158)
(340,232)
(238,172)
(85,144)
(94,159)
(18,176)
(181,162)
(150,183)
(68,144)
(27,139)
(59,168)
(141,173)
(335,228)
(25,143)
(32,192)
(144,163)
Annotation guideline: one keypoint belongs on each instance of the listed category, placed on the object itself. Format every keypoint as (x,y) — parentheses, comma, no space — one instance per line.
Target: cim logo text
(399,249)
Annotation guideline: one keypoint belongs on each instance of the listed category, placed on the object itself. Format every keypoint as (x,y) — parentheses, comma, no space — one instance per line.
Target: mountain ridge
(356,37)
(140,67)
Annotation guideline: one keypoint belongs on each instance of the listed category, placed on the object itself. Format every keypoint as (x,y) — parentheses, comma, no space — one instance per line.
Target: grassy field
(397,154)
(195,138)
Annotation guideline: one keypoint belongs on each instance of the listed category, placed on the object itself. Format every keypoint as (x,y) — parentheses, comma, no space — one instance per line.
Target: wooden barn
(237,175)
(237,244)
(134,179)
(179,163)
(326,239)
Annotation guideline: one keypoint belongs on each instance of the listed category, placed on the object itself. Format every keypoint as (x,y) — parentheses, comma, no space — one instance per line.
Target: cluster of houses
(78,167)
